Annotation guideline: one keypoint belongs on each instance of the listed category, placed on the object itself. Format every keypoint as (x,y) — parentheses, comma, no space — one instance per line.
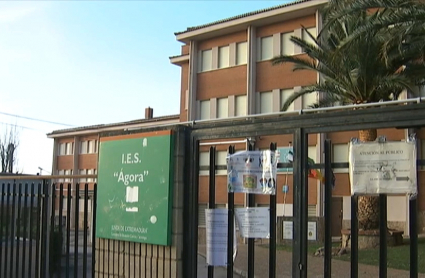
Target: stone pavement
(219,272)
(314,264)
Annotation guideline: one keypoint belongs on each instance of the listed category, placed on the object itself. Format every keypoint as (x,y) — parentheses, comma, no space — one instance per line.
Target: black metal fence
(47,228)
(300,126)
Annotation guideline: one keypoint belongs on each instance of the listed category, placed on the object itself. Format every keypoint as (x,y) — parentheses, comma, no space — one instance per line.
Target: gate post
(328,209)
(190,216)
(300,210)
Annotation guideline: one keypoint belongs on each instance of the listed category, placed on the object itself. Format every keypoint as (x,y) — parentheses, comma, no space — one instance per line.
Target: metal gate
(408,116)
(47,229)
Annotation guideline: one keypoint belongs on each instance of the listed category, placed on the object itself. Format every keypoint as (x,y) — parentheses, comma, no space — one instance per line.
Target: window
(206,60)
(92,146)
(241,53)
(223,57)
(221,160)
(309,99)
(205,110)
(83,147)
(286,45)
(88,147)
(311,210)
(340,155)
(306,37)
(266,48)
(61,148)
(222,108)
(68,173)
(266,102)
(66,148)
(240,105)
(201,214)
(284,95)
(90,172)
(312,153)
(204,160)
(69,148)
(61,173)
(83,172)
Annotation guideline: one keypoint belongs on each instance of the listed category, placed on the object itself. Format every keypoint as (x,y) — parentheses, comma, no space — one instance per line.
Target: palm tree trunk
(368,213)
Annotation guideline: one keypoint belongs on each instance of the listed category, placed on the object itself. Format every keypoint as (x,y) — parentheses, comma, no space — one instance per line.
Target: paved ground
(219,272)
(315,265)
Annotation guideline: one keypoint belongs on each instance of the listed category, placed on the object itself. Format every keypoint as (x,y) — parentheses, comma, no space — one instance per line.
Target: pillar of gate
(115,258)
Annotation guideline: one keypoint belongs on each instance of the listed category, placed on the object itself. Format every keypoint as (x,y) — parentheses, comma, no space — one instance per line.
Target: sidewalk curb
(236,270)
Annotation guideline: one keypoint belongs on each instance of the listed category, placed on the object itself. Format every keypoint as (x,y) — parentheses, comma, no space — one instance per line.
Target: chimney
(148,113)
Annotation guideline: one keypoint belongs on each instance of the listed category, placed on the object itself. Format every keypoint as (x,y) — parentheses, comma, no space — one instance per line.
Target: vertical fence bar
(354,237)
(211,203)
(25,230)
(108,253)
(12,229)
(18,231)
(86,208)
(52,231)
(113,257)
(93,251)
(76,228)
(191,207)
(383,236)
(272,241)
(31,217)
(2,206)
(8,221)
(45,232)
(230,226)
(413,232)
(38,226)
(68,227)
(251,241)
(103,259)
(299,253)
(61,221)
(328,209)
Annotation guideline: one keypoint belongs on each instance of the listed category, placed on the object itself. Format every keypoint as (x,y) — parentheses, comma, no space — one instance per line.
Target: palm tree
(407,17)
(356,72)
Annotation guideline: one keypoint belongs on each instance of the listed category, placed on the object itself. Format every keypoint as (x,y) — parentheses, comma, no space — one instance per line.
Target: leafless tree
(9,142)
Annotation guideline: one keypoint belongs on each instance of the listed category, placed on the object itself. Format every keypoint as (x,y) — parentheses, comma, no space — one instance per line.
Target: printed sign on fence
(216,232)
(252,172)
(253,222)
(383,168)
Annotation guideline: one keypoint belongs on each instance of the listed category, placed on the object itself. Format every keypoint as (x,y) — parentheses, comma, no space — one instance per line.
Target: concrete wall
(129,259)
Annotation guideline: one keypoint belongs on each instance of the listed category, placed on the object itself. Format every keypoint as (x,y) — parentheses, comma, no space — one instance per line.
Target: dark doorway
(336,216)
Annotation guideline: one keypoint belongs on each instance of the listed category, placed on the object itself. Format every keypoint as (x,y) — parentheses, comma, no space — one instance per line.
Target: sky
(68,64)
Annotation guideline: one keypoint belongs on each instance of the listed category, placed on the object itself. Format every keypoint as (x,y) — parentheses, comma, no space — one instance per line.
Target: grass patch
(398,257)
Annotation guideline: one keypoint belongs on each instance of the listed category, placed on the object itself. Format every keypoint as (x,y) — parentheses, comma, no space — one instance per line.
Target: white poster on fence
(312,231)
(216,234)
(253,222)
(252,172)
(288,230)
(383,168)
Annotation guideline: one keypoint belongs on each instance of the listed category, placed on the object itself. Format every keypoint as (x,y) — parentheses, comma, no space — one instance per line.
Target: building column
(251,70)
(193,74)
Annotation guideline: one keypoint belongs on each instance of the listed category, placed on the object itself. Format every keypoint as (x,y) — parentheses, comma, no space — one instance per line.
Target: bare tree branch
(9,143)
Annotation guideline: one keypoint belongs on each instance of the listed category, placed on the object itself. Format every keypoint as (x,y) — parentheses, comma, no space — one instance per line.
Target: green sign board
(134,197)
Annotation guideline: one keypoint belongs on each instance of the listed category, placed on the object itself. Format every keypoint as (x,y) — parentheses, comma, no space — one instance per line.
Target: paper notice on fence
(216,233)
(252,172)
(383,168)
(253,222)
